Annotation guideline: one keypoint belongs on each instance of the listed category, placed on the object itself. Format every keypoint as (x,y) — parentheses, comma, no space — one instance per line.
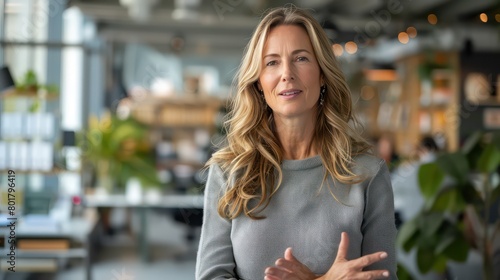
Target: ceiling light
(351,47)
(412,31)
(432,18)
(338,50)
(483,17)
(403,37)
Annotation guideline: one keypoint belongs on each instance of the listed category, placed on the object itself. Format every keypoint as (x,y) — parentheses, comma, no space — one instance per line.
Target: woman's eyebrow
(293,53)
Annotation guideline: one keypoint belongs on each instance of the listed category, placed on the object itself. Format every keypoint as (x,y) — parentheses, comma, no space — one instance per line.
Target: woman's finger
(287,265)
(271,277)
(373,274)
(367,260)
(289,255)
(278,272)
(343,247)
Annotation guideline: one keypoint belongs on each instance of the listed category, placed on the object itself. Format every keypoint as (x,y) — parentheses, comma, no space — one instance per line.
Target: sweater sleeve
(215,258)
(379,229)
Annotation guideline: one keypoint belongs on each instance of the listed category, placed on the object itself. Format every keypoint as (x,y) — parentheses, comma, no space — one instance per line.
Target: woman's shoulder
(215,169)
(367,164)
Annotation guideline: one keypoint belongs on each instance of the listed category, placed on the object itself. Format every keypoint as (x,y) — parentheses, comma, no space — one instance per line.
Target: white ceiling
(225,26)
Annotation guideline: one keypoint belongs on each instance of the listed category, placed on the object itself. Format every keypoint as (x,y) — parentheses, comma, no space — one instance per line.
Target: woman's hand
(353,269)
(291,269)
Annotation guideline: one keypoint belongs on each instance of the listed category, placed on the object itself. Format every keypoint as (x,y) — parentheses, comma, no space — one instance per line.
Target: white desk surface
(165,201)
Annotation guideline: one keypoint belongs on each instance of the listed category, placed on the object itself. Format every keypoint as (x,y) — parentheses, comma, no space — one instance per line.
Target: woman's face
(290,76)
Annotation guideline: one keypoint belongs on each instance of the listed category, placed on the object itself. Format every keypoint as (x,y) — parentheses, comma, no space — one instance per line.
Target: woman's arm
(215,258)
(379,229)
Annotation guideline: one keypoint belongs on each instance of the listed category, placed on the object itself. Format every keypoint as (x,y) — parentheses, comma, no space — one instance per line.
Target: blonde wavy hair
(252,155)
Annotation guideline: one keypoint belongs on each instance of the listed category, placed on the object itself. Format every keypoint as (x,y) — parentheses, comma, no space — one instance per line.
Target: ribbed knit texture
(303,216)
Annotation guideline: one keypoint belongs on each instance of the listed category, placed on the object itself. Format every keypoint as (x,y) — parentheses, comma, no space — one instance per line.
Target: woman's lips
(290,93)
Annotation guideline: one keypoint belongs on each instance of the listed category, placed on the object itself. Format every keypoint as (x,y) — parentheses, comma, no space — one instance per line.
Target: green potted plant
(119,150)
(460,189)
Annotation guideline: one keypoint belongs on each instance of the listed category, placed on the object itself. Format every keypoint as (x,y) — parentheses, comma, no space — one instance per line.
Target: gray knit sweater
(303,217)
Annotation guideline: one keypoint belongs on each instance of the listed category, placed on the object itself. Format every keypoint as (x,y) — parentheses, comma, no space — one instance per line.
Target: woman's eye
(302,58)
(271,63)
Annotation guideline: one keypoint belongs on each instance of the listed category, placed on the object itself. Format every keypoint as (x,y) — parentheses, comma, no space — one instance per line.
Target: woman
(294,174)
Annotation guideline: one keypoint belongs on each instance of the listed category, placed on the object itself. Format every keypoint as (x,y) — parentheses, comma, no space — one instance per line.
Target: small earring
(322,95)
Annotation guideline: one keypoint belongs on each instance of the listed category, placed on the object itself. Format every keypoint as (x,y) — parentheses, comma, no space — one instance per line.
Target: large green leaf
(425,259)
(495,193)
(455,165)
(430,177)
(407,235)
(440,263)
(458,250)
(449,199)
(471,195)
(447,236)
(495,139)
(430,223)
(403,273)
(471,142)
(489,159)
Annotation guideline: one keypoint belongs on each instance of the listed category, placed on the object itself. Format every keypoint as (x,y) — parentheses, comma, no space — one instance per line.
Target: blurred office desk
(165,201)
(74,242)
(173,201)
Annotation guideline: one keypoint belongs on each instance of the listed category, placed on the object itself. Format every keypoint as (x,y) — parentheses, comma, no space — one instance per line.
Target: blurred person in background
(295,173)
(387,151)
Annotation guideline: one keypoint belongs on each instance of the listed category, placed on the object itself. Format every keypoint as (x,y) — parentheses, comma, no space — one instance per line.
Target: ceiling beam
(163,17)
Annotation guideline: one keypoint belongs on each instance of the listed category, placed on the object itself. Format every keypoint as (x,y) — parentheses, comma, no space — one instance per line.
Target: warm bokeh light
(412,31)
(403,37)
(432,18)
(367,93)
(381,75)
(351,47)
(497,17)
(338,50)
(483,17)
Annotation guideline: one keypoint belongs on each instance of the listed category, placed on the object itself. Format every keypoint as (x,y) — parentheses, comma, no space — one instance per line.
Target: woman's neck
(296,138)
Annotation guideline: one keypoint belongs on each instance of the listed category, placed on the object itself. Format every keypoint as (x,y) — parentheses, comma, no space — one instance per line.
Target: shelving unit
(182,124)
(29,135)
(77,233)
(413,106)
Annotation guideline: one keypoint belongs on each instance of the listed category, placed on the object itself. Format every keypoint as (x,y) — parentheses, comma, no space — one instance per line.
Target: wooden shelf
(49,254)
(14,93)
(33,265)
(54,171)
(178,112)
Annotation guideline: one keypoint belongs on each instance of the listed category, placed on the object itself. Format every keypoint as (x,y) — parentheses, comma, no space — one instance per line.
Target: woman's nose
(288,73)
